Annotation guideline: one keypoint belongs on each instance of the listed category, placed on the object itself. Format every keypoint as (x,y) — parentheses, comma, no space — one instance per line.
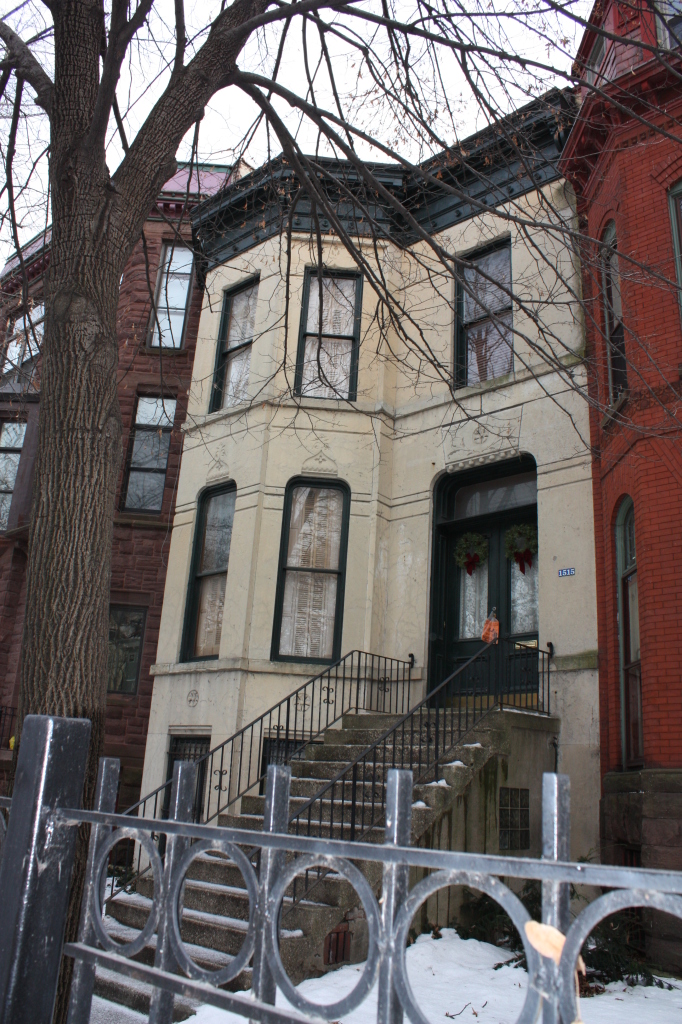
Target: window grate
(514,807)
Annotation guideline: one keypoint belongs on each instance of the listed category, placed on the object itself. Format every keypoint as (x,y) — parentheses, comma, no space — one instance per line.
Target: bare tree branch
(27,66)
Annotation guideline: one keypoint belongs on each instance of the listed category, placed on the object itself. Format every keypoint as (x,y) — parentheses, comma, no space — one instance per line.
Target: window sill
(155,350)
(614,409)
(151,521)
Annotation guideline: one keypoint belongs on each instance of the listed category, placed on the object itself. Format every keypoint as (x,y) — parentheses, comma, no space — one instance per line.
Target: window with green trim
(311,579)
(484,334)
(235,340)
(329,337)
(206,598)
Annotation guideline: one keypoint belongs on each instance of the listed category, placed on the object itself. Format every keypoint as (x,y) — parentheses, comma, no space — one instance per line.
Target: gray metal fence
(38,855)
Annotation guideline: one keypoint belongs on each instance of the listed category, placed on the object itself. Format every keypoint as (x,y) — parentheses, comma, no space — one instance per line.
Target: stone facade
(391,447)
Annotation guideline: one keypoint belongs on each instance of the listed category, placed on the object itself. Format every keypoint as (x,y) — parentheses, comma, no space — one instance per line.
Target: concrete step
(254,822)
(136,995)
(306,788)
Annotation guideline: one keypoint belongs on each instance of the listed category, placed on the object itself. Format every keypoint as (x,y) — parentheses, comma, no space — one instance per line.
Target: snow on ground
(454,978)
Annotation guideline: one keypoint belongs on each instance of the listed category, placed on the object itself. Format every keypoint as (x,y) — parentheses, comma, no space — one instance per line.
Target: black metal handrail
(359,681)
(352,804)
(7,719)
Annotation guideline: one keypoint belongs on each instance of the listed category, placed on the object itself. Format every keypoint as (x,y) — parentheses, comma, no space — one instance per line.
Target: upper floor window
(628,620)
(172,297)
(126,633)
(595,60)
(149,454)
(204,621)
(668,23)
(233,365)
(484,318)
(613,316)
(309,605)
(22,347)
(11,442)
(327,365)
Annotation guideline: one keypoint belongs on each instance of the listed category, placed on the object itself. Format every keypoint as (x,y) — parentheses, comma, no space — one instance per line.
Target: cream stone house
(382,490)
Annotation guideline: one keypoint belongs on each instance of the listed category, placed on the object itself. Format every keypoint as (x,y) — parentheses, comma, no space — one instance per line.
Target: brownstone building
(626,167)
(156,349)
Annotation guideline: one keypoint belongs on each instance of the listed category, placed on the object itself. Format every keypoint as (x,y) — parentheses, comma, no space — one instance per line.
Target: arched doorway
(485,555)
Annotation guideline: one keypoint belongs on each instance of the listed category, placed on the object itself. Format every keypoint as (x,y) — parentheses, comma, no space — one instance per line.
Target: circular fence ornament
(498,892)
(126,949)
(237,965)
(584,924)
(471,551)
(343,867)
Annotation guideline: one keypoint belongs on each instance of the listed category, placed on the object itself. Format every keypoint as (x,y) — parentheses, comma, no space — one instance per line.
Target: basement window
(514,818)
(337,945)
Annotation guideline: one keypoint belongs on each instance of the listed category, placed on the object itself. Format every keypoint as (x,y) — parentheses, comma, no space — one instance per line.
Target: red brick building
(628,179)
(155,370)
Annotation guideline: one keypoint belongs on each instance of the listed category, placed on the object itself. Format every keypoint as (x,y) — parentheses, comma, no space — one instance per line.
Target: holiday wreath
(520,544)
(471,551)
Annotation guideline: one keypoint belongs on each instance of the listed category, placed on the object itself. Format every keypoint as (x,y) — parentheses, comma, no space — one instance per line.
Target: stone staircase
(216,903)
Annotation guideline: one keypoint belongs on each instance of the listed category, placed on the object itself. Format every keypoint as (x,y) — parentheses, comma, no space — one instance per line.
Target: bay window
(172,297)
(204,622)
(231,380)
(309,605)
(149,454)
(613,316)
(329,335)
(11,442)
(484,348)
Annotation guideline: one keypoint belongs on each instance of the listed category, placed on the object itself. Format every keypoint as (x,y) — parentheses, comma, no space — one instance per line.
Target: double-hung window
(327,365)
(11,442)
(149,454)
(668,23)
(309,606)
(204,623)
(628,608)
(613,316)
(485,348)
(22,347)
(172,297)
(126,634)
(231,382)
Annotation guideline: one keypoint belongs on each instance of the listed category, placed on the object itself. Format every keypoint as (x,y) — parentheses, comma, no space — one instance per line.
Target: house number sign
(567,572)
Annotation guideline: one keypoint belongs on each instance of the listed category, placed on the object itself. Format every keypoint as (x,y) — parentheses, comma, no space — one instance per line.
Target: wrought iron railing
(353,803)
(7,722)
(236,767)
(39,850)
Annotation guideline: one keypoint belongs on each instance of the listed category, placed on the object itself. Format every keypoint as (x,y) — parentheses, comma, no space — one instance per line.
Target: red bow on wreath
(471,562)
(523,557)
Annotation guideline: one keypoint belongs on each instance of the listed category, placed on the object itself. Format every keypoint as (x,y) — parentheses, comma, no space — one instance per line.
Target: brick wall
(141,541)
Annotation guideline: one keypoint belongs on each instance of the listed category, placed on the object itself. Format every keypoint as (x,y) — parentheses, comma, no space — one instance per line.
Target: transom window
(484,321)
(230,386)
(330,334)
(22,347)
(126,633)
(11,442)
(172,297)
(209,574)
(149,454)
(613,316)
(309,607)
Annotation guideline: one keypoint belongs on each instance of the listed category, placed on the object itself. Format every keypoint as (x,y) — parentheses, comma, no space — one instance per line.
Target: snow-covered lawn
(454,979)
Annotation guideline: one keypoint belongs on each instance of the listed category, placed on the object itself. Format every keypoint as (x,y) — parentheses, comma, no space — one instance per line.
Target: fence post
(181,808)
(35,875)
(556,845)
(271,864)
(83,978)
(395,885)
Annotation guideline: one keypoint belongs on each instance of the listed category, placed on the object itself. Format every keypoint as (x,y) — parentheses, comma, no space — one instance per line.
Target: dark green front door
(495,583)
